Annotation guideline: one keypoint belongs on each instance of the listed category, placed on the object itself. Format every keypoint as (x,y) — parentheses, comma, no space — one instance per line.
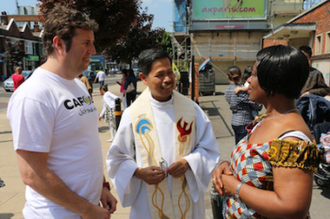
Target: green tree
(113,16)
(164,39)
(15,52)
(139,38)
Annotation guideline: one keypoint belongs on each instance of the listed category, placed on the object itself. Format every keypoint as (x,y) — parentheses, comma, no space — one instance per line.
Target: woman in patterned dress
(270,174)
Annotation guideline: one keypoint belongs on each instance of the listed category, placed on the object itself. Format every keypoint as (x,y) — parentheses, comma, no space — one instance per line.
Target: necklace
(282,114)
(265,115)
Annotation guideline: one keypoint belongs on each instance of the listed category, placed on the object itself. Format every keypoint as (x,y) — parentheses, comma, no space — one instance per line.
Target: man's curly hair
(62,22)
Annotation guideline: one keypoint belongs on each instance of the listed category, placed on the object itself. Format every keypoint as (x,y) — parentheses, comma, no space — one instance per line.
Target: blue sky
(162,10)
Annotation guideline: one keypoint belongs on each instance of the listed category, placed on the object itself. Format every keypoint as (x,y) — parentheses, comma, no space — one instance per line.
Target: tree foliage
(164,39)
(15,52)
(139,38)
(113,16)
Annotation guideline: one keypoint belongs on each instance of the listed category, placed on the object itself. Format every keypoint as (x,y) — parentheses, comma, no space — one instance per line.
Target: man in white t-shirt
(54,126)
(101,76)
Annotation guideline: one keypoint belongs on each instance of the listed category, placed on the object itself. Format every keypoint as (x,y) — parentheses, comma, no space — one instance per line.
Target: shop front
(32,62)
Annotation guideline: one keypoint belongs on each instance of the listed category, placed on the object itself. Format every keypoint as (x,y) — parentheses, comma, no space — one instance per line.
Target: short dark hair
(104,87)
(234,73)
(130,72)
(247,73)
(282,69)
(124,71)
(148,56)
(306,49)
(62,22)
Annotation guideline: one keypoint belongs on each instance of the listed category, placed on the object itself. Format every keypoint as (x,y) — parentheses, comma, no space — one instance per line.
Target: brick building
(14,29)
(310,28)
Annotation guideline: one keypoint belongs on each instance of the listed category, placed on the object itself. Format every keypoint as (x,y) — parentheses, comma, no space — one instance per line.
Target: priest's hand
(178,168)
(151,175)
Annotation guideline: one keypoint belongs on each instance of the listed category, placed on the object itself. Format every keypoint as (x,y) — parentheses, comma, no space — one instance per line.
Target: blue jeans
(240,132)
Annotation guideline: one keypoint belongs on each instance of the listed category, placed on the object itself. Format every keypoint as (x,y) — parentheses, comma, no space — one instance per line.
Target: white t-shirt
(101,75)
(57,116)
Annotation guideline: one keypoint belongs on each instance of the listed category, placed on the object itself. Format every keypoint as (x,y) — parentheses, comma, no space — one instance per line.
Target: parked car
(8,84)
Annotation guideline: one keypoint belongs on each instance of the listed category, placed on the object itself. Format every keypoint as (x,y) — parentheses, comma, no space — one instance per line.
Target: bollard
(216,202)
(118,112)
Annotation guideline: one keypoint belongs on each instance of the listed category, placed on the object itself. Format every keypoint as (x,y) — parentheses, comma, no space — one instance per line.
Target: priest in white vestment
(164,152)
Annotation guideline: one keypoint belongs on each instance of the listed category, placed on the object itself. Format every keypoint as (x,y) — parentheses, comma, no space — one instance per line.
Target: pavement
(12,197)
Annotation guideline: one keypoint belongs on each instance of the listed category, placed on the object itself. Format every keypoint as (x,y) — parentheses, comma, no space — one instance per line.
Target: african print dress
(252,165)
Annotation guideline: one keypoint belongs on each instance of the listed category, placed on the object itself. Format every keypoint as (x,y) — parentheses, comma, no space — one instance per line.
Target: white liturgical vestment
(124,158)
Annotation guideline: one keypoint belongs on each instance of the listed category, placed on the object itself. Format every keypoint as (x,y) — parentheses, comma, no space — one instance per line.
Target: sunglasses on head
(79,16)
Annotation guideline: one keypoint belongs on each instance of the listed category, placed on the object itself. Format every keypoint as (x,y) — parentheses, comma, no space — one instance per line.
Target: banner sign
(229,9)
(32,58)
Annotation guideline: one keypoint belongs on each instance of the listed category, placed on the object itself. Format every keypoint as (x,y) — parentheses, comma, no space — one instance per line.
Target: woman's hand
(230,184)
(222,169)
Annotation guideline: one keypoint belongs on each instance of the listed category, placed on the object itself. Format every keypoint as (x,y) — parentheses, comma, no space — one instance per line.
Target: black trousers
(240,132)
(130,98)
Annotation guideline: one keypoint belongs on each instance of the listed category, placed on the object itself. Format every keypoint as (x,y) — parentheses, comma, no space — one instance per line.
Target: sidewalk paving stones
(12,195)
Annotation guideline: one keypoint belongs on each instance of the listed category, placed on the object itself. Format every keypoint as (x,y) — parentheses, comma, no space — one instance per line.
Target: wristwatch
(106,185)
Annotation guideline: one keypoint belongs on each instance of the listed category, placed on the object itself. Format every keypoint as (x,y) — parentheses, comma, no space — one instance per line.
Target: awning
(32,58)
(291,31)
(204,64)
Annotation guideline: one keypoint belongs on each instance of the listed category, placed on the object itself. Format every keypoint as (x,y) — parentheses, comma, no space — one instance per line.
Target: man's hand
(108,201)
(178,168)
(35,173)
(96,212)
(151,175)
(100,118)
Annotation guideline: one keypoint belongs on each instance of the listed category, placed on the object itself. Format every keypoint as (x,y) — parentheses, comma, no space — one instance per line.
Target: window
(318,44)
(28,47)
(327,42)
(41,50)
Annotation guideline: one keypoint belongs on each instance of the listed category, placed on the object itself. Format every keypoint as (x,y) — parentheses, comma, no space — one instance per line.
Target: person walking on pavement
(100,76)
(122,85)
(55,126)
(315,83)
(108,111)
(84,80)
(164,151)
(130,87)
(18,78)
